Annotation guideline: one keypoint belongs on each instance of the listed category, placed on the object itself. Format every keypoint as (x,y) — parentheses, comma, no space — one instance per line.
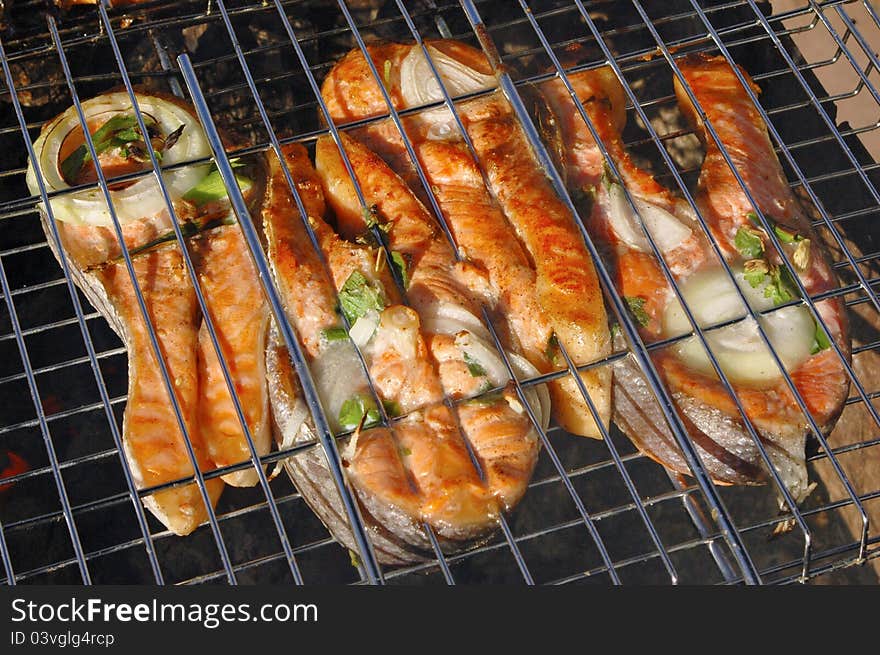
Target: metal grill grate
(595,511)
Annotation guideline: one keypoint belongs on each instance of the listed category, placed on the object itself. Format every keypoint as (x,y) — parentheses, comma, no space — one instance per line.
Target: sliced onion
(144,198)
(741,352)
(667,231)
(364,328)
(338,376)
(485,355)
(537,395)
(460,319)
(419,86)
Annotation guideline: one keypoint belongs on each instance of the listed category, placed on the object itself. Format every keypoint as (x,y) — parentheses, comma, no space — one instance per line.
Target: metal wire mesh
(594,511)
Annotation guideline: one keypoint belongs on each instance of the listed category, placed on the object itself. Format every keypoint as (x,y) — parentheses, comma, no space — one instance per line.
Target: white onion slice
(485,355)
(667,231)
(419,86)
(142,199)
(362,330)
(739,348)
(338,377)
(450,318)
(537,395)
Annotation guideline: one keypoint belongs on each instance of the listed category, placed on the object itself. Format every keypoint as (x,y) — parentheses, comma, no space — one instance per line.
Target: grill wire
(594,511)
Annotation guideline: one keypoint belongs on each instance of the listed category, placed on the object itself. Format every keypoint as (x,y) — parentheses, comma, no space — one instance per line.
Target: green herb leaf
(820,341)
(785,236)
(487,399)
(474,367)
(552,348)
(391,408)
(755,272)
(354,409)
(334,334)
(780,289)
(358,296)
(117,132)
(212,189)
(636,307)
(402,266)
(73,163)
(749,243)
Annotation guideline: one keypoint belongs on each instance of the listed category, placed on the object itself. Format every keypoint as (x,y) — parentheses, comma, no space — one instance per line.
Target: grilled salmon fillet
(240,316)
(420,469)
(528,262)
(153,441)
(714,423)
(152,437)
(499,434)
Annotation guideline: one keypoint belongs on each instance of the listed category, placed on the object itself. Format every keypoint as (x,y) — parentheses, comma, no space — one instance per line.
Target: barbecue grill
(595,511)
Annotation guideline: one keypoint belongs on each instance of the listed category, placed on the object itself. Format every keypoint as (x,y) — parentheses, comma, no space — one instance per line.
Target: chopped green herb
(391,408)
(212,189)
(636,307)
(785,236)
(821,341)
(404,451)
(358,296)
(748,242)
(615,330)
(755,272)
(780,289)
(387,73)
(402,266)
(334,334)
(118,132)
(552,348)
(474,367)
(487,399)
(356,409)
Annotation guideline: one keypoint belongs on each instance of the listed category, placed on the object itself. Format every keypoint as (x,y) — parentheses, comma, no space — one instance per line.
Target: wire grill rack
(595,511)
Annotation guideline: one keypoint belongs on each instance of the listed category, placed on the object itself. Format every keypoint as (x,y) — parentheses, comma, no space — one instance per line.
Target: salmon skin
(418,470)
(527,261)
(714,423)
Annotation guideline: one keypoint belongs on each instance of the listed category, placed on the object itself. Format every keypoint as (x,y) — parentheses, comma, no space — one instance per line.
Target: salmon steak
(154,442)
(454,467)
(758,273)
